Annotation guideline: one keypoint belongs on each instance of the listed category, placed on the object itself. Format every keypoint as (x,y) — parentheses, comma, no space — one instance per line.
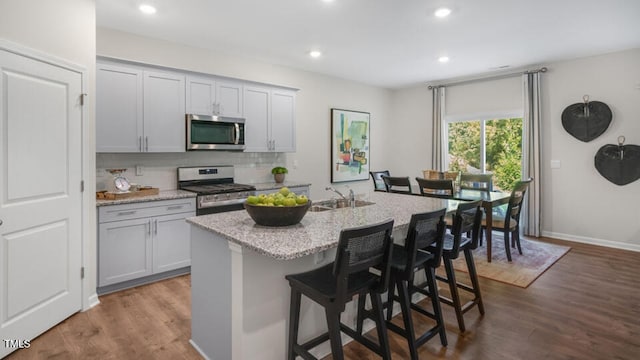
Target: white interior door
(40,197)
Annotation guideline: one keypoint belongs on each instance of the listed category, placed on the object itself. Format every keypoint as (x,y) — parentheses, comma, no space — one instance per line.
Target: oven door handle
(237,132)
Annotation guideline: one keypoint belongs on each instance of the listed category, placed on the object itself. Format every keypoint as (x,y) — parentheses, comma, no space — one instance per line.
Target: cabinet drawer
(145,209)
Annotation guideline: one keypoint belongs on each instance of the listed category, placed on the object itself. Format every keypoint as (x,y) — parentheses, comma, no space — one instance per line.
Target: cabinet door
(124,251)
(283,126)
(229,99)
(201,96)
(256,111)
(164,112)
(118,109)
(171,242)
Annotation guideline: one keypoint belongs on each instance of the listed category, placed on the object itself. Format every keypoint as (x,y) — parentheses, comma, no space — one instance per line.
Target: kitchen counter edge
(163,195)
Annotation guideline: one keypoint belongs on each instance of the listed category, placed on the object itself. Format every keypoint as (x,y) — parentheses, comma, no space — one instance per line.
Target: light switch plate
(555,164)
(139,170)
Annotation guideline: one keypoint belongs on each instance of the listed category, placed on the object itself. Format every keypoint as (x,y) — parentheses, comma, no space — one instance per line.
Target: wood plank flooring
(586,306)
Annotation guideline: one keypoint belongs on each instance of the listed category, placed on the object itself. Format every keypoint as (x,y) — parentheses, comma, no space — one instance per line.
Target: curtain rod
(494,77)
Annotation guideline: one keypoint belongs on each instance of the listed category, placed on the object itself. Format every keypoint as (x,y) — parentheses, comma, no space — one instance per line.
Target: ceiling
(388,43)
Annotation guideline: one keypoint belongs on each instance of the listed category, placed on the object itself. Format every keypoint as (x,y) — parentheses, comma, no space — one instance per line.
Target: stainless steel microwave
(206,132)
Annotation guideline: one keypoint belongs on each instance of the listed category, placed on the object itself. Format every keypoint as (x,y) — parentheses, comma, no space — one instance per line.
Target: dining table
(490,200)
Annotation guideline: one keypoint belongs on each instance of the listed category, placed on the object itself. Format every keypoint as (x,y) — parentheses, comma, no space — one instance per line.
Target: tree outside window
(487,146)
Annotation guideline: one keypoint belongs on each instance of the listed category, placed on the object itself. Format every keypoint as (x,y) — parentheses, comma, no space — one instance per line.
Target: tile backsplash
(159,169)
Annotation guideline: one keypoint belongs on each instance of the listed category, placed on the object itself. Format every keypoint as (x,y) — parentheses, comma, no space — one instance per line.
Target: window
(491,145)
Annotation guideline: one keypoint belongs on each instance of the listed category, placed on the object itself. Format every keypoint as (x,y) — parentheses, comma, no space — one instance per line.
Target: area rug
(536,258)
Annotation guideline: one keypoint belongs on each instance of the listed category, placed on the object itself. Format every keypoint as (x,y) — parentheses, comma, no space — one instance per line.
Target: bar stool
(467,220)
(378,183)
(332,286)
(425,230)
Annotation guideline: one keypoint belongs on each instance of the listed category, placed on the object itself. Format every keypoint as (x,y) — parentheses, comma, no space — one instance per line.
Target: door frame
(87,168)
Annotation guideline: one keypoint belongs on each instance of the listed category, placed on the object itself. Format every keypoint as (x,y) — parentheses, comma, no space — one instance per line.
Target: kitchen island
(240,298)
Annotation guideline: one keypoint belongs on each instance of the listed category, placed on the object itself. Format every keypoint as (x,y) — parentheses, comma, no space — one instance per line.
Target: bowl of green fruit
(282,208)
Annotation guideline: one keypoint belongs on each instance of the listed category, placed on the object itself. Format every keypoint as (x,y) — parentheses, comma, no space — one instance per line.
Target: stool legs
(435,303)
(453,289)
(333,324)
(473,274)
(383,340)
(294,321)
(405,305)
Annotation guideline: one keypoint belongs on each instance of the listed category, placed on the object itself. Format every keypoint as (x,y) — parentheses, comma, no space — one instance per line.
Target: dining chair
(332,286)
(432,174)
(451,175)
(401,185)
(435,188)
(378,183)
(510,224)
(482,182)
(467,220)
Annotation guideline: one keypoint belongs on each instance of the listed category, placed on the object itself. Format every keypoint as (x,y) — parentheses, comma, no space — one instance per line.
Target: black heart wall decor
(587,120)
(620,163)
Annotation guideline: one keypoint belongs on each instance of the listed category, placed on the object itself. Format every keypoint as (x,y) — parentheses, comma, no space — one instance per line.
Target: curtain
(531,151)
(437,157)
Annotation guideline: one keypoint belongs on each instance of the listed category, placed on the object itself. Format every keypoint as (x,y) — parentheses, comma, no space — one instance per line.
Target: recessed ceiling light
(442,12)
(327,0)
(315,53)
(443,59)
(147,9)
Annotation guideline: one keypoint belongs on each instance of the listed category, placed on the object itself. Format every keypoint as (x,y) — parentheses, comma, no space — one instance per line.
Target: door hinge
(82,186)
(82,96)
(82,272)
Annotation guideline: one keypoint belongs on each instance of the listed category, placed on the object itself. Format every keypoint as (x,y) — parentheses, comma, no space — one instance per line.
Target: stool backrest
(360,249)
(425,230)
(378,183)
(468,218)
(435,188)
(482,182)
(393,183)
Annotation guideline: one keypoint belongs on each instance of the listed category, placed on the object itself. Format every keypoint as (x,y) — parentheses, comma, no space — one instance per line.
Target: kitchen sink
(336,204)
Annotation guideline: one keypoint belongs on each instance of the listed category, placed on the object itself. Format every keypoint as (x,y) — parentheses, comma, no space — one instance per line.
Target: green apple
(289,202)
(301,199)
(253,200)
(284,191)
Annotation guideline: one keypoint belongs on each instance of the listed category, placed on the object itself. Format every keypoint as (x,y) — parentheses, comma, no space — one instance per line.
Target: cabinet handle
(175,207)
(155,227)
(274,145)
(149,229)
(146,143)
(123,213)
(0,222)
(140,143)
(213,108)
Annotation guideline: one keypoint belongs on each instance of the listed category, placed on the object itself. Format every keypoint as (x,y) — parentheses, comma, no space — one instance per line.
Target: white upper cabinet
(139,110)
(210,96)
(118,109)
(270,119)
(164,110)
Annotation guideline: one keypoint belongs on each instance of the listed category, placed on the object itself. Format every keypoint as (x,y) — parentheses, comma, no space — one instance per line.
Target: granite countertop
(163,195)
(272,185)
(318,231)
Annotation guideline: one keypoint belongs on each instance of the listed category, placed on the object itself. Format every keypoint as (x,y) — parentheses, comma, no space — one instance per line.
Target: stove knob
(215,197)
(228,196)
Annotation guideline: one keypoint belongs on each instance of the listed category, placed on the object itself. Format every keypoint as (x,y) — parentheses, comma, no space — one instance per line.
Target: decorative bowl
(277,215)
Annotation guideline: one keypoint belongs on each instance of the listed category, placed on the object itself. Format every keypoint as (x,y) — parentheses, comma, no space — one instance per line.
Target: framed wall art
(350,148)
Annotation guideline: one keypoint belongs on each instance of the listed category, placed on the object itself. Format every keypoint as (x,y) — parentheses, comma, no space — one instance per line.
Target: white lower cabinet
(143,240)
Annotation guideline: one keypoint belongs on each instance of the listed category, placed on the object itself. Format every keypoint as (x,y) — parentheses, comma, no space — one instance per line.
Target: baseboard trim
(142,281)
(592,241)
(92,301)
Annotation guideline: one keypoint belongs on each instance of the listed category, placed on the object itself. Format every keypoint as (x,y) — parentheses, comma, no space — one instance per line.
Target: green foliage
(503,149)
(279,170)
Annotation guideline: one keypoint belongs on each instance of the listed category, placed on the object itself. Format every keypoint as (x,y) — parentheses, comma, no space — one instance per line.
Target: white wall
(64,29)
(317,95)
(577,202)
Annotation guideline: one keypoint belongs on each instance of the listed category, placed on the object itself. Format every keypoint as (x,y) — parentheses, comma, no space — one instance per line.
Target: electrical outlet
(139,170)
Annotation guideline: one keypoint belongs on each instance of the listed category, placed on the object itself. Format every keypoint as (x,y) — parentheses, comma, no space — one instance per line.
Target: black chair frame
(378,183)
(333,285)
(440,188)
(468,219)
(392,182)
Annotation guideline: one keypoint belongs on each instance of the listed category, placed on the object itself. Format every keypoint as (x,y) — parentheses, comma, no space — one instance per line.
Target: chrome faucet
(351,199)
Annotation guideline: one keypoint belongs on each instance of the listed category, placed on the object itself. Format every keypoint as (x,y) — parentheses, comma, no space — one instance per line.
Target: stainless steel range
(215,188)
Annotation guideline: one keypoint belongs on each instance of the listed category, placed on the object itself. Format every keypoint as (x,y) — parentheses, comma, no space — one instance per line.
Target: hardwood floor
(586,306)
